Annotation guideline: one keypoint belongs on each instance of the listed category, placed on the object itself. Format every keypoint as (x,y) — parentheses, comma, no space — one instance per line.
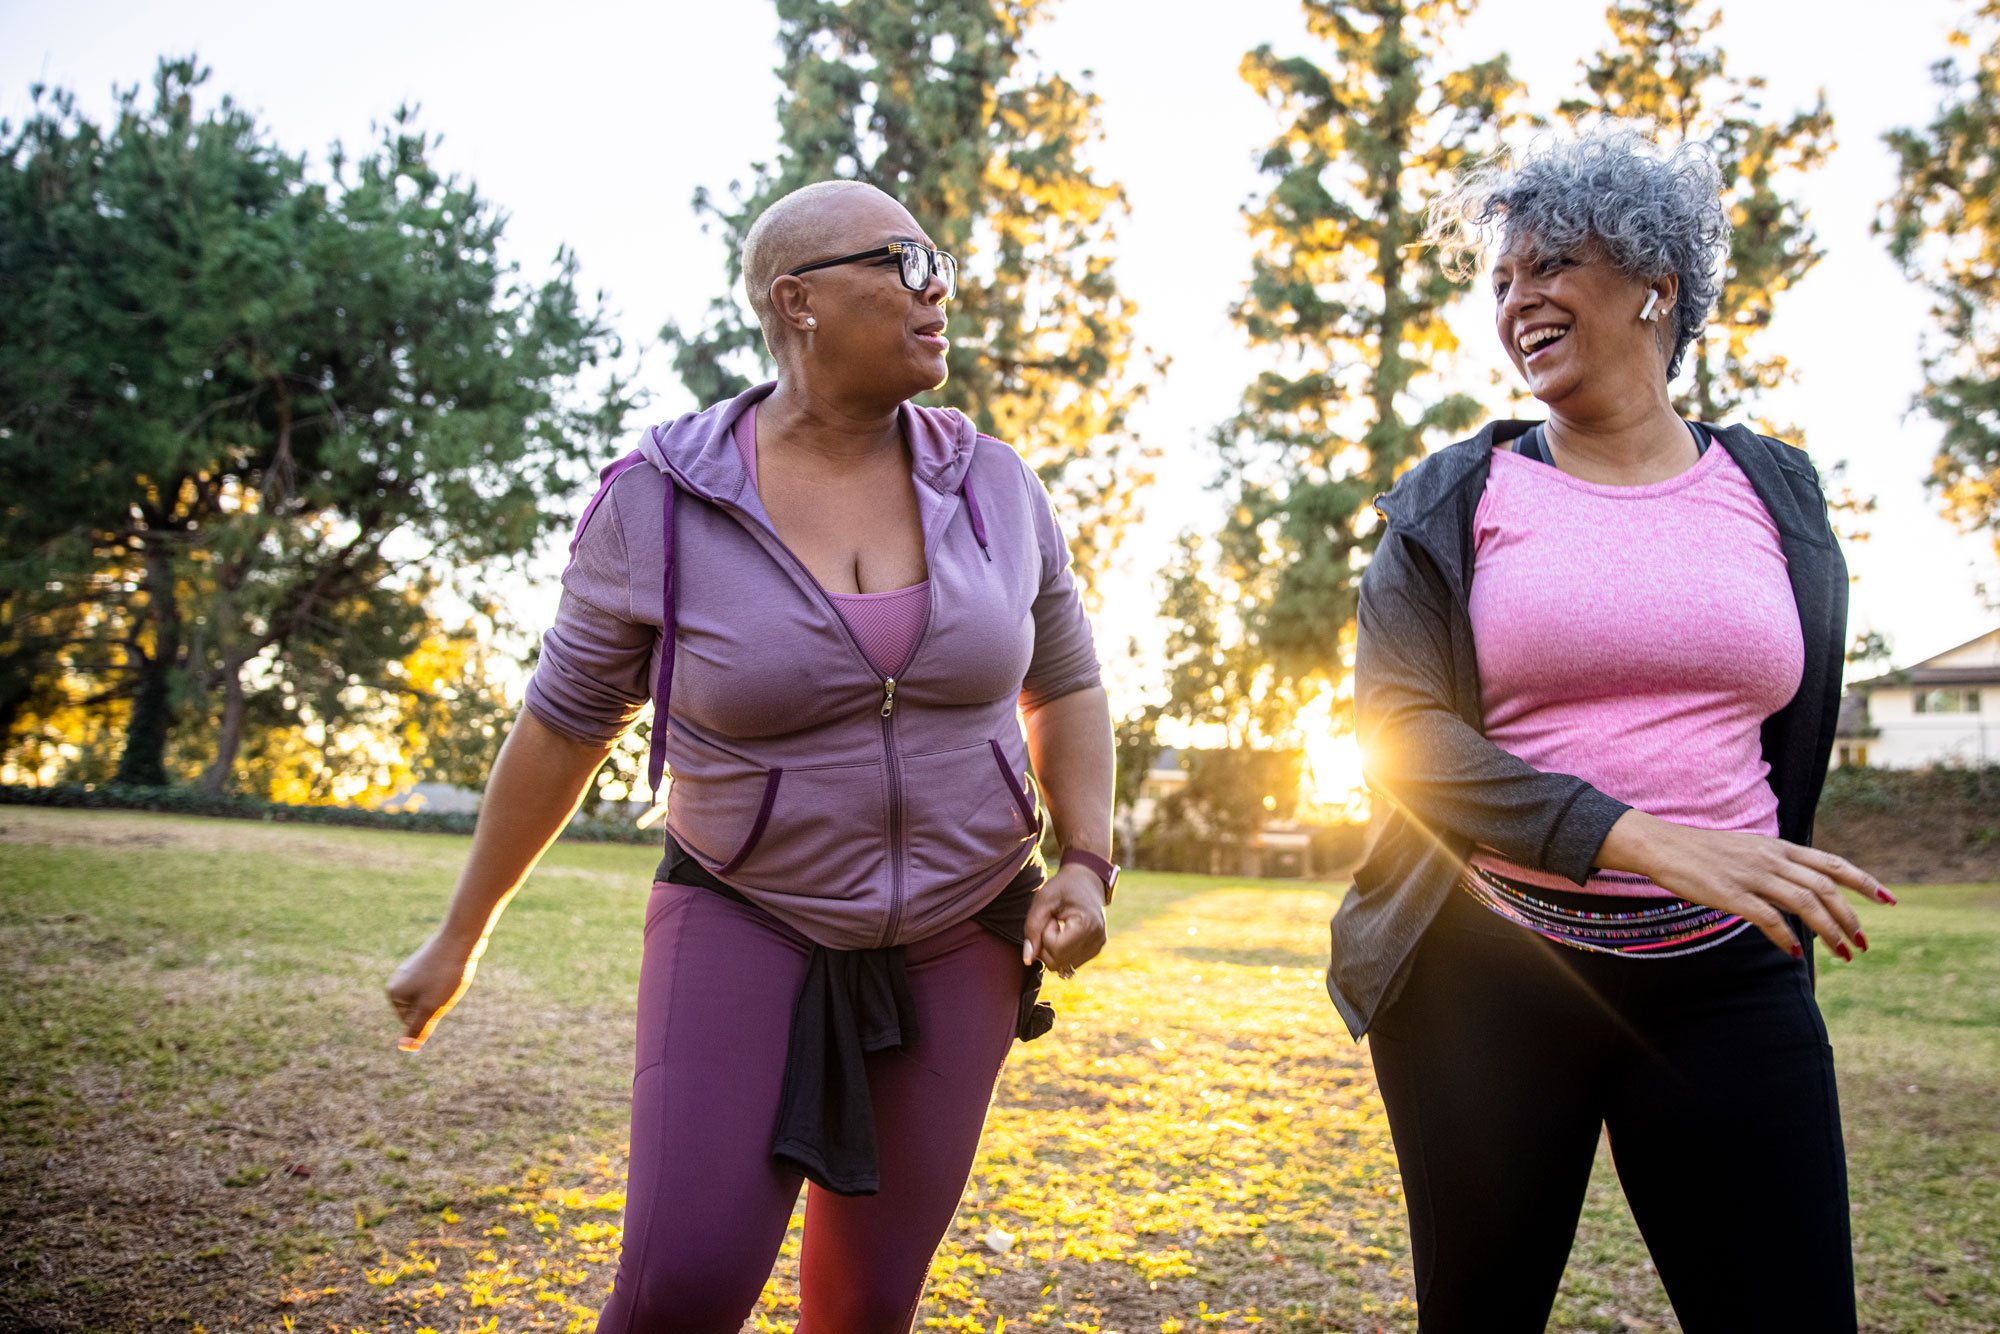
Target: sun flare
(1333,768)
(1333,773)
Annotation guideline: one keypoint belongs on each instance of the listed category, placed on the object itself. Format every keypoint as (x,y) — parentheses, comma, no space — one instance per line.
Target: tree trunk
(229,736)
(143,763)
(144,760)
(13,696)
(1704,381)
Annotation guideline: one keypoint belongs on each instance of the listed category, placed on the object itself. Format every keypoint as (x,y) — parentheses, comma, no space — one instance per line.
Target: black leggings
(1506,1053)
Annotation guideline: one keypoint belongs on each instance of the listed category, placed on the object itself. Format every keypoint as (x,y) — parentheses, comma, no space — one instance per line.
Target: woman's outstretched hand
(427,984)
(1065,927)
(1759,879)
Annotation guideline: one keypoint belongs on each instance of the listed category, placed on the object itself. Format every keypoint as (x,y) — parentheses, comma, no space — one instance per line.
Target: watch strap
(1103,869)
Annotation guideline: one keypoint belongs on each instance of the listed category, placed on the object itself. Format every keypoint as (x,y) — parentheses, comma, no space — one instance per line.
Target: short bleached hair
(1609,189)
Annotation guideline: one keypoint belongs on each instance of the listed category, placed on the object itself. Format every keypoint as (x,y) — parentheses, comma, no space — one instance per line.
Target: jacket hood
(698,450)
(1437,476)
(1419,492)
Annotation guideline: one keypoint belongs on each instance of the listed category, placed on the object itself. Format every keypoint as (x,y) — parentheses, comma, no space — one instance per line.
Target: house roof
(1853,721)
(1949,668)
(1921,675)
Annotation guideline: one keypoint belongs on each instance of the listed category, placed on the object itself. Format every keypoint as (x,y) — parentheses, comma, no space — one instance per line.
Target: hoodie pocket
(967,810)
(806,831)
(757,826)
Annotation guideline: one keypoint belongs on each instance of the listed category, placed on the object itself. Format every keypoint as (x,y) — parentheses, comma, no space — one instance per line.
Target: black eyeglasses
(916,264)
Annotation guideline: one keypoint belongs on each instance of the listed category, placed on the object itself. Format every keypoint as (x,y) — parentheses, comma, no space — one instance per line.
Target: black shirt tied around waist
(851,1003)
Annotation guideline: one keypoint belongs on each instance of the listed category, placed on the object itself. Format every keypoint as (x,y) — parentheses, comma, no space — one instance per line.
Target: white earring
(1646,311)
(811,323)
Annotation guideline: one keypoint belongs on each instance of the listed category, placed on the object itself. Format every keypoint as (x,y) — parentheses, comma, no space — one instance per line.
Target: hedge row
(189,801)
(1848,791)
(1904,789)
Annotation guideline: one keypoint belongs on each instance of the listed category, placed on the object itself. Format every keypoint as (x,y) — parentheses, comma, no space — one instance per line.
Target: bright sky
(592,124)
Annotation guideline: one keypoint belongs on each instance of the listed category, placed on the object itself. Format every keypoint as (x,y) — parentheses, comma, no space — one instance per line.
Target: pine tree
(936,103)
(1212,673)
(1354,311)
(1944,230)
(1664,65)
(268,407)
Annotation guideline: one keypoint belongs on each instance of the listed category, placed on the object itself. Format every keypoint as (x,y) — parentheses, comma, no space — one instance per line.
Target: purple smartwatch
(1106,871)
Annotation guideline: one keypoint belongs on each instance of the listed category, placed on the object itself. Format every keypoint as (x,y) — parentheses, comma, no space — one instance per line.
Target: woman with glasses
(856,622)
(1596,679)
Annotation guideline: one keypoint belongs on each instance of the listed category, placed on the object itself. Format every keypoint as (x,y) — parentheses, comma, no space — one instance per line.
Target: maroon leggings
(706,1208)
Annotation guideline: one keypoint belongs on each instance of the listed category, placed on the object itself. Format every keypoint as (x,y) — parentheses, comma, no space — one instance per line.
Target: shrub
(191,801)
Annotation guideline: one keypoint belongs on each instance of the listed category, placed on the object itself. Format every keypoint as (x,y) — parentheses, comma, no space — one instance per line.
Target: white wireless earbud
(1646,311)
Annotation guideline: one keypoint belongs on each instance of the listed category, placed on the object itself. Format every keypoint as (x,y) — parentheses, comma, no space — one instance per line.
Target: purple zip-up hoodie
(863,811)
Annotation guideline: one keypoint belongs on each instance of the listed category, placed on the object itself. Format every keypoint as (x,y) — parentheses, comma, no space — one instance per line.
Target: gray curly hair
(1609,188)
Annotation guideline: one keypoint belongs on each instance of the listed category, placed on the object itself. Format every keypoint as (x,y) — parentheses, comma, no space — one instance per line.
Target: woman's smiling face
(1571,323)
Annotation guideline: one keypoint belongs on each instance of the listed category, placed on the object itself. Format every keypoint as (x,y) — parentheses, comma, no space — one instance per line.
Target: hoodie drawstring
(663,687)
(972,512)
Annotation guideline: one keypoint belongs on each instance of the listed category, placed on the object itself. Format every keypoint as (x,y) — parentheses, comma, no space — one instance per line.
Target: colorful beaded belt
(1652,928)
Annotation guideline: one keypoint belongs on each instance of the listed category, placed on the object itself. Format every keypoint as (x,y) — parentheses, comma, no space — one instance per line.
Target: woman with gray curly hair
(1597,674)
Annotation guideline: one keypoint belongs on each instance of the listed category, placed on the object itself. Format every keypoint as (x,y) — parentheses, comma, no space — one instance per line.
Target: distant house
(1164,777)
(449,798)
(444,798)
(1943,710)
(1278,849)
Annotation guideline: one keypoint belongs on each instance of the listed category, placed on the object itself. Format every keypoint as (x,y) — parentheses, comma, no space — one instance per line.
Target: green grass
(205,1122)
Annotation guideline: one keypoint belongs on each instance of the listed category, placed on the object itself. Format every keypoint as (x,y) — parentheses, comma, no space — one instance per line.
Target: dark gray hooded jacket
(1418,713)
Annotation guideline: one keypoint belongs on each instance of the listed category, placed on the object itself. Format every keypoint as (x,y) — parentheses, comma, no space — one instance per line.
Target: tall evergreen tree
(1943,224)
(130,257)
(1353,310)
(277,401)
(1664,64)
(937,103)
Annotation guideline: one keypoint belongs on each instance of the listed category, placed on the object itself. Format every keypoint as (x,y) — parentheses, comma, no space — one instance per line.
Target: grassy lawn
(205,1123)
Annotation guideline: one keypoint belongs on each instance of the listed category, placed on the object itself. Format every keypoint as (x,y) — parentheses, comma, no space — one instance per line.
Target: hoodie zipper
(898,853)
(898,891)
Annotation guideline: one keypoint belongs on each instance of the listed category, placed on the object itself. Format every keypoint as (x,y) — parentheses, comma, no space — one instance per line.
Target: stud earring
(811,323)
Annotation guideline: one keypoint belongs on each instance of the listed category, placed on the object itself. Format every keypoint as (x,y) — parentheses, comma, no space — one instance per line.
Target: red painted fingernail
(1798,952)
(1885,896)
(1840,948)
(1862,941)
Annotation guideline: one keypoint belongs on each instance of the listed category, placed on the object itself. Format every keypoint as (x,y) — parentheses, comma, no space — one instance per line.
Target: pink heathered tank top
(1637,637)
(886,625)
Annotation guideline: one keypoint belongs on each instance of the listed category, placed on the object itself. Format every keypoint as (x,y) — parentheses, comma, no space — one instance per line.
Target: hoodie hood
(698,451)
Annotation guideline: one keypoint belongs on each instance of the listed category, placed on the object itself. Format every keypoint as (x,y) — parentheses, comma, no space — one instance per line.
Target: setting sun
(1333,775)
